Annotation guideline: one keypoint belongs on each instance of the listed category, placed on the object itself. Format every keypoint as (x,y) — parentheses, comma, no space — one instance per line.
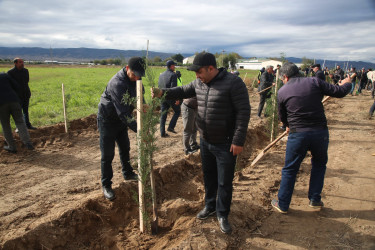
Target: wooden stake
(64,107)
(244,77)
(274,105)
(142,209)
(260,92)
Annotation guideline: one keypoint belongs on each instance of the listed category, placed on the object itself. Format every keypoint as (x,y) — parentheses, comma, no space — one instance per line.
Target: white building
(254,64)
(188,60)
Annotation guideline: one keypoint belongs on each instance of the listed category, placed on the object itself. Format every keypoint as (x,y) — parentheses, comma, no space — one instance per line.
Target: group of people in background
(360,80)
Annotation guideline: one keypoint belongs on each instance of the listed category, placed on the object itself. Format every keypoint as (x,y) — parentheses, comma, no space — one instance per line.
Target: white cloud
(315,29)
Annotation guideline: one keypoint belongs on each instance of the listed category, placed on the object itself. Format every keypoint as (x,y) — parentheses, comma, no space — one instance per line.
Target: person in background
(339,73)
(300,108)
(362,80)
(21,75)
(266,81)
(189,113)
(168,79)
(260,73)
(222,120)
(353,75)
(10,106)
(318,72)
(179,79)
(114,119)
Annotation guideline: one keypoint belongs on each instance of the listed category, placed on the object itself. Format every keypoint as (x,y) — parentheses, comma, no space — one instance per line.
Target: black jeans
(262,101)
(25,110)
(164,112)
(218,171)
(111,132)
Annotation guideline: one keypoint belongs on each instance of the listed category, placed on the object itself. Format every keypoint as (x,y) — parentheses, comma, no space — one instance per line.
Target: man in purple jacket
(301,110)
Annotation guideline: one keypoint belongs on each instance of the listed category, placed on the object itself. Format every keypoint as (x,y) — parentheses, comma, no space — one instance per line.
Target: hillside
(73,54)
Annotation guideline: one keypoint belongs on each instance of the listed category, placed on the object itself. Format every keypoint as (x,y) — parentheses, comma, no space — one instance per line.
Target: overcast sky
(329,29)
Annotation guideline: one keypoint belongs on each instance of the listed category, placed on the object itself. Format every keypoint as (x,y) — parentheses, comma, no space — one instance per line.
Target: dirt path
(51,197)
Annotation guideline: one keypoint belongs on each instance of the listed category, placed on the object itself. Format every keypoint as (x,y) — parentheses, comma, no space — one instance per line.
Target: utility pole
(222,57)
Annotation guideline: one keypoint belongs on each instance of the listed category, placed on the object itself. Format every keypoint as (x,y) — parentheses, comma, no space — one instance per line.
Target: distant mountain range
(331,64)
(89,54)
(73,54)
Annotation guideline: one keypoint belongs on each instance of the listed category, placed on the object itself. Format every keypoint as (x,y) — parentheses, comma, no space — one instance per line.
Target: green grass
(83,88)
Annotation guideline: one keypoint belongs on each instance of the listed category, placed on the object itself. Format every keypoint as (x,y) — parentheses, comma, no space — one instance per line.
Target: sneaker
(275,204)
(31,127)
(165,135)
(224,225)
(131,177)
(109,194)
(172,131)
(10,150)
(17,131)
(316,204)
(205,213)
(190,151)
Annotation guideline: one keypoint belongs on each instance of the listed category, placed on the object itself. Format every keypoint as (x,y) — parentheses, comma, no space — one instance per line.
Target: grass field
(83,87)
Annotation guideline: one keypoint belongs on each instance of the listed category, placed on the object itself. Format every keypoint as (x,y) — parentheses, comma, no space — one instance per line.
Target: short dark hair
(289,69)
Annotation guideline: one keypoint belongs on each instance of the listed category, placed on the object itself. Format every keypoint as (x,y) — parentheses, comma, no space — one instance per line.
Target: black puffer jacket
(223,107)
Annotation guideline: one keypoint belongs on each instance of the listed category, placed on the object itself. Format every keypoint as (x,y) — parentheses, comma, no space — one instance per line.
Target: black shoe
(190,151)
(109,194)
(172,131)
(131,177)
(29,146)
(165,135)
(205,213)
(224,225)
(316,204)
(31,127)
(10,150)
(195,147)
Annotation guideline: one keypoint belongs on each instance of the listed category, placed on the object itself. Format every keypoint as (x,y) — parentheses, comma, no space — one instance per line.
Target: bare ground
(51,197)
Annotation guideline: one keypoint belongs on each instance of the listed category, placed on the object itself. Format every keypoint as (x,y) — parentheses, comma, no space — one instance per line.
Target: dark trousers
(164,112)
(297,146)
(13,109)
(218,171)
(262,101)
(372,109)
(112,132)
(25,110)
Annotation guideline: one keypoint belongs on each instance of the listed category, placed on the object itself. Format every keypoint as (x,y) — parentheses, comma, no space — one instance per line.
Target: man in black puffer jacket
(222,120)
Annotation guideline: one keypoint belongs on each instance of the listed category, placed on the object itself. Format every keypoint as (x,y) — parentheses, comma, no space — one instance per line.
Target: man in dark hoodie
(114,118)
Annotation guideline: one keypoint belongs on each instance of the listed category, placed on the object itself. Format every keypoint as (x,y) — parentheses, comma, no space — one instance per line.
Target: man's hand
(156,92)
(346,80)
(236,149)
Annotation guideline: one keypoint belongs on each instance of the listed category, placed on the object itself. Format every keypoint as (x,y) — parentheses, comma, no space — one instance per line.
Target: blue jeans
(297,146)
(218,171)
(353,87)
(111,132)
(190,127)
(164,112)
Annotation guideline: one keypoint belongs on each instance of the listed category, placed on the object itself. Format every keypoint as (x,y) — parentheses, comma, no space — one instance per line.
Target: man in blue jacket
(114,118)
(222,119)
(168,79)
(302,112)
(10,106)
